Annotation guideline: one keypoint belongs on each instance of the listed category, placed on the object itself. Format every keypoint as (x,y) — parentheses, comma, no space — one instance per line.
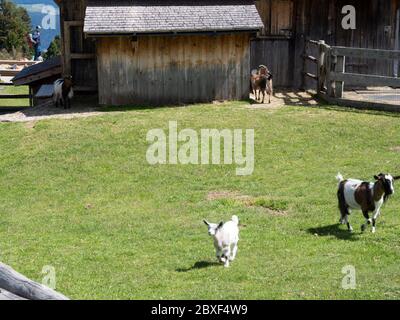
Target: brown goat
(261,82)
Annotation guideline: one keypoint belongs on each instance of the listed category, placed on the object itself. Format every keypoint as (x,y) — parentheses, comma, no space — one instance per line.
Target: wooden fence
(14,96)
(331,75)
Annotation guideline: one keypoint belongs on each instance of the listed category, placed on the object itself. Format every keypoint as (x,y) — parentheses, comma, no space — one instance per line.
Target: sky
(38,10)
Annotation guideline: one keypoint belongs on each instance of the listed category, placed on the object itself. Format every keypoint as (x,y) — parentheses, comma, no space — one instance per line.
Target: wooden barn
(159,52)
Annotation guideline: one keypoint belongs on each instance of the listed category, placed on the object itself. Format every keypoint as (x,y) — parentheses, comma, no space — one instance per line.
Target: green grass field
(14,102)
(80,196)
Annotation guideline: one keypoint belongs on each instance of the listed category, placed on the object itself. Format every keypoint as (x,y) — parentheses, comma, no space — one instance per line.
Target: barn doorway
(273,47)
(79,56)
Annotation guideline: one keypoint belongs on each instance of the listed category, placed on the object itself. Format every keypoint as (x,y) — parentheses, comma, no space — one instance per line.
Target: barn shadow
(335,231)
(287,97)
(199,265)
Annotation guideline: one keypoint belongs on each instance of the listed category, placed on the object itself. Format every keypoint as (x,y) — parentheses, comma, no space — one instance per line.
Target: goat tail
(339,177)
(235,219)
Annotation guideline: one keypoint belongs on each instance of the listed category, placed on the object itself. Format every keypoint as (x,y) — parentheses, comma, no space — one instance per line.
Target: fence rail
(331,75)
(14,96)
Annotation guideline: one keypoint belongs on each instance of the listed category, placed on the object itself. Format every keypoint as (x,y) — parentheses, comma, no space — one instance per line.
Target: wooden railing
(14,96)
(331,75)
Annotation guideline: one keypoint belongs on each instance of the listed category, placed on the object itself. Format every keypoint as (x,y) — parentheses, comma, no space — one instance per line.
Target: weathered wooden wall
(173,69)
(274,47)
(294,21)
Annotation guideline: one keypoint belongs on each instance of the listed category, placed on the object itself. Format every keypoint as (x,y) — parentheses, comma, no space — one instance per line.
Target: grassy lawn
(14,102)
(80,196)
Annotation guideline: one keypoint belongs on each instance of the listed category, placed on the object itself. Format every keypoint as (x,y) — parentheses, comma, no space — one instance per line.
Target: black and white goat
(226,238)
(63,92)
(365,196)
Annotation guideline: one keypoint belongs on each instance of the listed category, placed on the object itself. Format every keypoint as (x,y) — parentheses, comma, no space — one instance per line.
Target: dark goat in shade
(63,92)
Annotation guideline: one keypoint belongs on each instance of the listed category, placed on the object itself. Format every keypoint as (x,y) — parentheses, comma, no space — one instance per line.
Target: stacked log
(15,286)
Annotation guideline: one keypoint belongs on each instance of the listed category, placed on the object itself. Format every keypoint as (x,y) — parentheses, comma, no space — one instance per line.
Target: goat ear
(396,178)
(376,177)
(206,222)
(220,225)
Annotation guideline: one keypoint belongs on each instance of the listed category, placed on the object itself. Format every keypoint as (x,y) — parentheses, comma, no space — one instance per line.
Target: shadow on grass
(349,109)
(165,106)
(333,230)
(199,265)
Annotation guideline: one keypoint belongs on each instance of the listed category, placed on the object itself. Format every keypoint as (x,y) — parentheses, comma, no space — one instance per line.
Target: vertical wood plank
(339,85)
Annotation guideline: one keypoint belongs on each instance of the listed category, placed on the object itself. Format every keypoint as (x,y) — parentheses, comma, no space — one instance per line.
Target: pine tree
(54,48)
(14,29)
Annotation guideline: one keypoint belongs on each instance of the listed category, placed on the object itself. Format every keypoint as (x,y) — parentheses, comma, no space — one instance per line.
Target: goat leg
(368,221)
(234,251)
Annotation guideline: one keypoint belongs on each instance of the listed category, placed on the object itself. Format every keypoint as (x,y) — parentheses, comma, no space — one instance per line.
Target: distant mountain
(34,8)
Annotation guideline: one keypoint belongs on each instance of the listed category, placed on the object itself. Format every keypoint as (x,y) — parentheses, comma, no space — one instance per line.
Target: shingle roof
(151,16)
(37,69)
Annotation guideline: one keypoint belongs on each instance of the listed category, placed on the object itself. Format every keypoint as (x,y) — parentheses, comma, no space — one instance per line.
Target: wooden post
(329,69)
(339,68)
(30,96)
(67,49)
(321,63)
(304,77)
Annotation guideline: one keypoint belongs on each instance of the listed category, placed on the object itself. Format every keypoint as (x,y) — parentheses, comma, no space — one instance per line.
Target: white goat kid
(226,238)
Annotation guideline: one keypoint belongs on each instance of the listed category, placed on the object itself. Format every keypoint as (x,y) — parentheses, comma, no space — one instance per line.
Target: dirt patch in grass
(270,206)
(30,125)
(219,195)
(395,149)
(276,207)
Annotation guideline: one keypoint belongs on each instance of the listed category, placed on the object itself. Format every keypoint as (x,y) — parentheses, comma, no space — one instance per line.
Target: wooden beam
(365,53)
(19,285)
(9,73)
(82,56)
(67,49)
(73,23)
(310,58)
(14,96)
(321,72)
(39,76)
(310,75)
(365,80)
(339,69)
(18,62)
(85,89)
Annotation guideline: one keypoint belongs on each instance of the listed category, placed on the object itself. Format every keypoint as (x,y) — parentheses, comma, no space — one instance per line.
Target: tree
(15,25)
(54,49)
